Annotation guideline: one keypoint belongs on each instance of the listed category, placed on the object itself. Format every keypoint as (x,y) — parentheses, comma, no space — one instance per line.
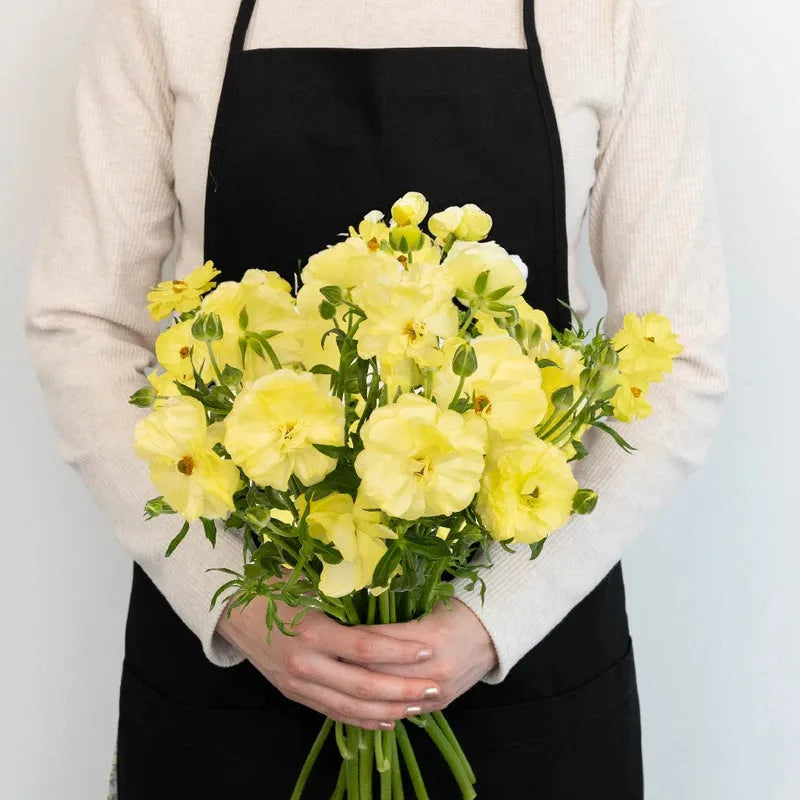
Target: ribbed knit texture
(635,158)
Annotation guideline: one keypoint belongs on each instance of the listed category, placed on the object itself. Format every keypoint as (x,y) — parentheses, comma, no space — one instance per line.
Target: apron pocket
(531,721)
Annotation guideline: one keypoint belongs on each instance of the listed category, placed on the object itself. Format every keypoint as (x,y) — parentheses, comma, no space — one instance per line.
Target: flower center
(179,286)
(186,465)
(531,497)
(287,431)
(482,404)
(403,259)
(636,391)
(423,467)
(414,330)
(184,352)
(373,244)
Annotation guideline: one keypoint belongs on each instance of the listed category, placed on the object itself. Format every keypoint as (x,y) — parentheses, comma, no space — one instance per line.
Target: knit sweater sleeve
(655,241)
(108,231)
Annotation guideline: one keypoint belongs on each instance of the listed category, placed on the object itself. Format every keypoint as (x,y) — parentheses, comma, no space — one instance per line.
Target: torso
(581,96)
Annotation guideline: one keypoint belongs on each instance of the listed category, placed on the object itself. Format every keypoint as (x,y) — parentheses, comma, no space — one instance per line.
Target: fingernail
(387,726)
(431,691)
(413,710)
(426,652)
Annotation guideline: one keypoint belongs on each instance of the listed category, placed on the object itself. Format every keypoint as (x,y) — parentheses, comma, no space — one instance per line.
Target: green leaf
(333,294)
(580,450)
(323,369)
(545,362)
(584,501)
(427,545)
(387,565)
(536,548)
(243,318)
(231,376)
(333,451)
(177,540)
(628,448)
(210,528)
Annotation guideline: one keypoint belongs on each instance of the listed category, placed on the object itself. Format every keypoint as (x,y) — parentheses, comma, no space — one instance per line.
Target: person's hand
(307,668)
(463,651)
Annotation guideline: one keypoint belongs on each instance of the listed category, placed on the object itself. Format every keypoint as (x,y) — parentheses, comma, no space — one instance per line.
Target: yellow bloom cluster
(646,346)
(410,364)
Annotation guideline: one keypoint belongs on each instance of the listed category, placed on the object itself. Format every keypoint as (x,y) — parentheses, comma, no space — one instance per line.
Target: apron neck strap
(240,28)
(532,40)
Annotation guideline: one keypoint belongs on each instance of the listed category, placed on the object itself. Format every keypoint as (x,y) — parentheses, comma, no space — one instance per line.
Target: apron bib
(306,141)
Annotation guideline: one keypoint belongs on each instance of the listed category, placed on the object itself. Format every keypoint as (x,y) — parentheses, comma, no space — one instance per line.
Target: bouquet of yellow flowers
(372,431)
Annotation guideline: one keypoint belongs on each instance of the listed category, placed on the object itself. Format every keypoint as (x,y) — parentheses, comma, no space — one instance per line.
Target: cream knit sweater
(635,159)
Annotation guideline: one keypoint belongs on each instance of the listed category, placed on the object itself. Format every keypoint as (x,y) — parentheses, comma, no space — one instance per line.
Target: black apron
(306,141)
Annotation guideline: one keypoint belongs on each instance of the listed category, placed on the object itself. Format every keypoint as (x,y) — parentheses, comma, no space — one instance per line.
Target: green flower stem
(470,316)
(386,783)
(381,761)
(214,363)
(311,758)
(351,765)
(338,792)
(408,607)
(441,720)
(426,722)
(397,776)
(270,353)
(410,761)
(371,603)
(457,393)
(342,742)
(567,414)
(392,607)
(365,767)
(383,606)
(350,610)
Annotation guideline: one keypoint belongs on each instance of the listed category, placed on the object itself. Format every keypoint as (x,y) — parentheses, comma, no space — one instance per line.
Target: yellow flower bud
(410,209)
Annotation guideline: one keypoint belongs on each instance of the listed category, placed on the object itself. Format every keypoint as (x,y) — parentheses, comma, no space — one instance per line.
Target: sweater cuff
(218,650)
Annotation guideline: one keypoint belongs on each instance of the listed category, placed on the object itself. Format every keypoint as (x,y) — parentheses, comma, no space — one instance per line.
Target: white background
(712,585)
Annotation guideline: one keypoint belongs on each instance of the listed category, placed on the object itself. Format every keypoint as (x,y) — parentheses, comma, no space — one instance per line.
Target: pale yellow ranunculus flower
(181,294)
(401,374)
(649,345)
(630,401)
(526,491)
(268,304)
(420,460)
(506,387)
(467,260)
(356,533)
(468,223)
(410,209)
(347,264)
(275,423)
(177,444)
(372,229)
(405,320)
(176,349)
